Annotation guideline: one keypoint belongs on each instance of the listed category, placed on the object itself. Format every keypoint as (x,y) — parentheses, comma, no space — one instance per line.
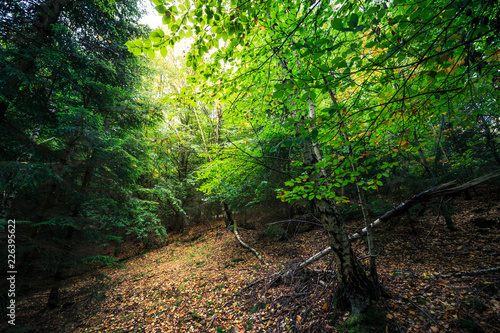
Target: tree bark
(361,195)
(358,288)
(228,217)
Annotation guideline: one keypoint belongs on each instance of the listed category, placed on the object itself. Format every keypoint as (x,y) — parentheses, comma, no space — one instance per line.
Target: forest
(250,166)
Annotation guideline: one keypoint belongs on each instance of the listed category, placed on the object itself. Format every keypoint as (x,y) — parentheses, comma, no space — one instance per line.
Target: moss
(371,321)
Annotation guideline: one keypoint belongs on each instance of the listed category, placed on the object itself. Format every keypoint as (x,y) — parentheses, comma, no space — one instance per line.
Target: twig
(293,220)
(425,313)
(437,218)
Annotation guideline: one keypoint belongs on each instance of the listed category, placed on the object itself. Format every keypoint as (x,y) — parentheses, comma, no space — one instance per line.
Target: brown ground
(211,284)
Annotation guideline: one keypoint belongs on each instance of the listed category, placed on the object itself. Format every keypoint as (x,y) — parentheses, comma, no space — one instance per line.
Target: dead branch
(471,273)
(436,191)
(245,245)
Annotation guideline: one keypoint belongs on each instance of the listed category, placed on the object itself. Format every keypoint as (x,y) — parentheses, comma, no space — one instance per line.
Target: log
(436,191)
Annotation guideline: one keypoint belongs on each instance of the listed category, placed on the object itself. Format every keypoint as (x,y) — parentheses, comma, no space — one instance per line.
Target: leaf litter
(203,281)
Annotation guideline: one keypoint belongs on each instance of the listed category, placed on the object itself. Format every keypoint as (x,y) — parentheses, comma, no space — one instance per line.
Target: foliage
(432,62)
(74,128)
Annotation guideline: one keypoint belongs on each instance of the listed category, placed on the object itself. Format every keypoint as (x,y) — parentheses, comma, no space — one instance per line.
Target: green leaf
(160,33)
(278,94)
(163,51)
(337,24)
(161,9)
(353,21)
(151,53)
(314,134)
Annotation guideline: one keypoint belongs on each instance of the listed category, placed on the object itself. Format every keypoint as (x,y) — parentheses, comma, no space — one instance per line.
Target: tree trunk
(358,288)
(356,285)
(228,218)
(361,195)
(446,214)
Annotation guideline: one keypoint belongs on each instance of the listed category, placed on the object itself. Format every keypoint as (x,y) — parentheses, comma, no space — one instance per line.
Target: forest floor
(203,281)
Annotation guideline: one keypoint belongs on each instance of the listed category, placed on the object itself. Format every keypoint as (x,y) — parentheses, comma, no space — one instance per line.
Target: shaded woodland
(250,166)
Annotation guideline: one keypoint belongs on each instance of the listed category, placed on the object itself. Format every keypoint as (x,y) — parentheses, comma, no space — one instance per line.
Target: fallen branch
(436,191)
(245,245)
(471,273)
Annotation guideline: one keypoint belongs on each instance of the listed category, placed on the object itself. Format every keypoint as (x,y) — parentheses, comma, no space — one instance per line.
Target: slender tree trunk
(358,288)
(446,213)
(490,140)
(228,217)
(361,195)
